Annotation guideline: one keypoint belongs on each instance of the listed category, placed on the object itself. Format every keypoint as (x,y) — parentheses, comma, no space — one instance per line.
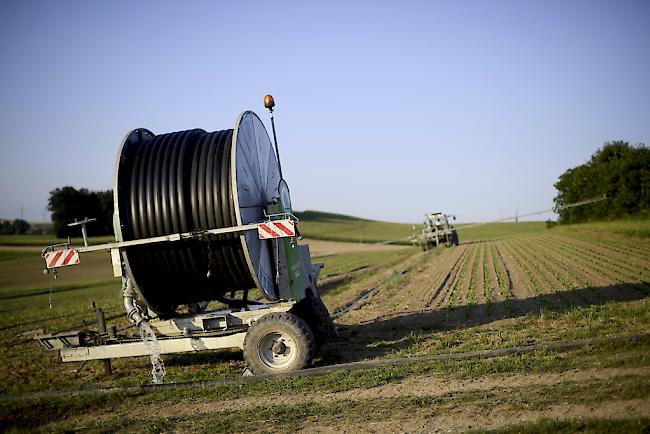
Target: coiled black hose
(174,183)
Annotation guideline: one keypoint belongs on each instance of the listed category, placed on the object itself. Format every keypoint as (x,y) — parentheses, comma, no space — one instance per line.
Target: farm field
(504,289)
(337,227)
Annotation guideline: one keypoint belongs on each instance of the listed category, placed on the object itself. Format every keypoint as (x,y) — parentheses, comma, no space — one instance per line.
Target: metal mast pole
(269,103)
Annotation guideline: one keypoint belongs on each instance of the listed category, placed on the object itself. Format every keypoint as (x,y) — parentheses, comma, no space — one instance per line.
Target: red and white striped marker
(61,258)
(276,229)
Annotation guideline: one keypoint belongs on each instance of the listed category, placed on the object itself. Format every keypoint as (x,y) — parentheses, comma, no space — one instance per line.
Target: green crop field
(506,285)
(473,232)
(46,240)
(336,227)
(638,227)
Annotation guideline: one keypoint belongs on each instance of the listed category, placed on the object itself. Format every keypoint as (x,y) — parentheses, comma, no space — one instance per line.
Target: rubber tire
(285,323)
(312,310)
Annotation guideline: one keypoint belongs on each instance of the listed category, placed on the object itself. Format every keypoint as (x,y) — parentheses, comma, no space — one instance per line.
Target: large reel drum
(194,180)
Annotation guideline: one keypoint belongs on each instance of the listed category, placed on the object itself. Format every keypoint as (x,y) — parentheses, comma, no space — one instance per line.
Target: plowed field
(485,281)
(517,290)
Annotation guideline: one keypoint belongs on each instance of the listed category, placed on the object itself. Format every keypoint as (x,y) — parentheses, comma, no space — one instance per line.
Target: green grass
(631,227)
(474,232)
(354,261)
(336,227)
(596,321)
(586,426)
(24,299)
(46,240)
(48,374)
(8,256)
(293,416)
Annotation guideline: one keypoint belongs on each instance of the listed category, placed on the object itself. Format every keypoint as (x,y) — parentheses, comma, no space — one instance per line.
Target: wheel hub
(279,348)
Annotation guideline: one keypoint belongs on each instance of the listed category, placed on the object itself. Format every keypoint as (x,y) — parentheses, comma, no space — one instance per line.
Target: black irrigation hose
(174,183)
(485,354)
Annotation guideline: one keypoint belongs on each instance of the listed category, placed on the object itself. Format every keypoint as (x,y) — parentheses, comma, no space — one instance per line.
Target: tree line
(17,226)
(68,203)
(619,172)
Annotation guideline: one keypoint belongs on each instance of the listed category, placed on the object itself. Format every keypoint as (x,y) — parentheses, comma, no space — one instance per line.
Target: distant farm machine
(203,217)
(436,231)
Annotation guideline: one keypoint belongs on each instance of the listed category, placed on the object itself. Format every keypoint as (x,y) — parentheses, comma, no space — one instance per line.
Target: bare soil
(461,414)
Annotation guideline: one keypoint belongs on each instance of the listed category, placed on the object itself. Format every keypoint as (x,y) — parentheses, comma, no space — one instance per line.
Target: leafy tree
(105,216)
(68,204)
(619,171)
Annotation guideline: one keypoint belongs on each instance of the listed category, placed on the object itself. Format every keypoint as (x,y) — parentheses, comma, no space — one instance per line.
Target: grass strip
(559,346)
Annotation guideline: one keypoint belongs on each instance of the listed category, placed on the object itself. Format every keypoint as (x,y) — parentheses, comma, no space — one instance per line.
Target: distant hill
(319,216)
(338,227)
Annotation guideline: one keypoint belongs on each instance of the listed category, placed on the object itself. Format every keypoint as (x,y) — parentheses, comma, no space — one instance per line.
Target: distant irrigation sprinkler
(438,230)
(556,209)
(205,216)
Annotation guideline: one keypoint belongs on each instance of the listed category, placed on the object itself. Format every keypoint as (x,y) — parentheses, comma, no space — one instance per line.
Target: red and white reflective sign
(276,229)
(61,258)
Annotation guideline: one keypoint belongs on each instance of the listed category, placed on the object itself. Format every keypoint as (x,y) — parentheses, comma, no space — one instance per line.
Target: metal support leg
(101,328)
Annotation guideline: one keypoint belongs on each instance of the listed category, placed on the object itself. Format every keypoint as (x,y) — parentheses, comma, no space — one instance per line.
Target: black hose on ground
(485,354)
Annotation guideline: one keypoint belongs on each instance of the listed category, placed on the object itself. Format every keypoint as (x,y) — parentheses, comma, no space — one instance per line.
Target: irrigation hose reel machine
(202,217)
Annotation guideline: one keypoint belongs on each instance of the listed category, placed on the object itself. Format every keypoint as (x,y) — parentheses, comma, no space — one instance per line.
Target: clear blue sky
(386,110)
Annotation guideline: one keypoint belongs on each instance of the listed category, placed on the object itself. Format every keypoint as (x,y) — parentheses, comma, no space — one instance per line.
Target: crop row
(549,277)
(638,269)
(534,282)
(626,247)
(462,277)
(446,278)
(596,263)
(488,290)
(556,269)
(503,278)
(572,276)
(612,270)
(471,291)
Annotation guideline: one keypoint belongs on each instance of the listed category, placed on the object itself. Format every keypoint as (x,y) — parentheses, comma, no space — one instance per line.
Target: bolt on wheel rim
(277,350)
